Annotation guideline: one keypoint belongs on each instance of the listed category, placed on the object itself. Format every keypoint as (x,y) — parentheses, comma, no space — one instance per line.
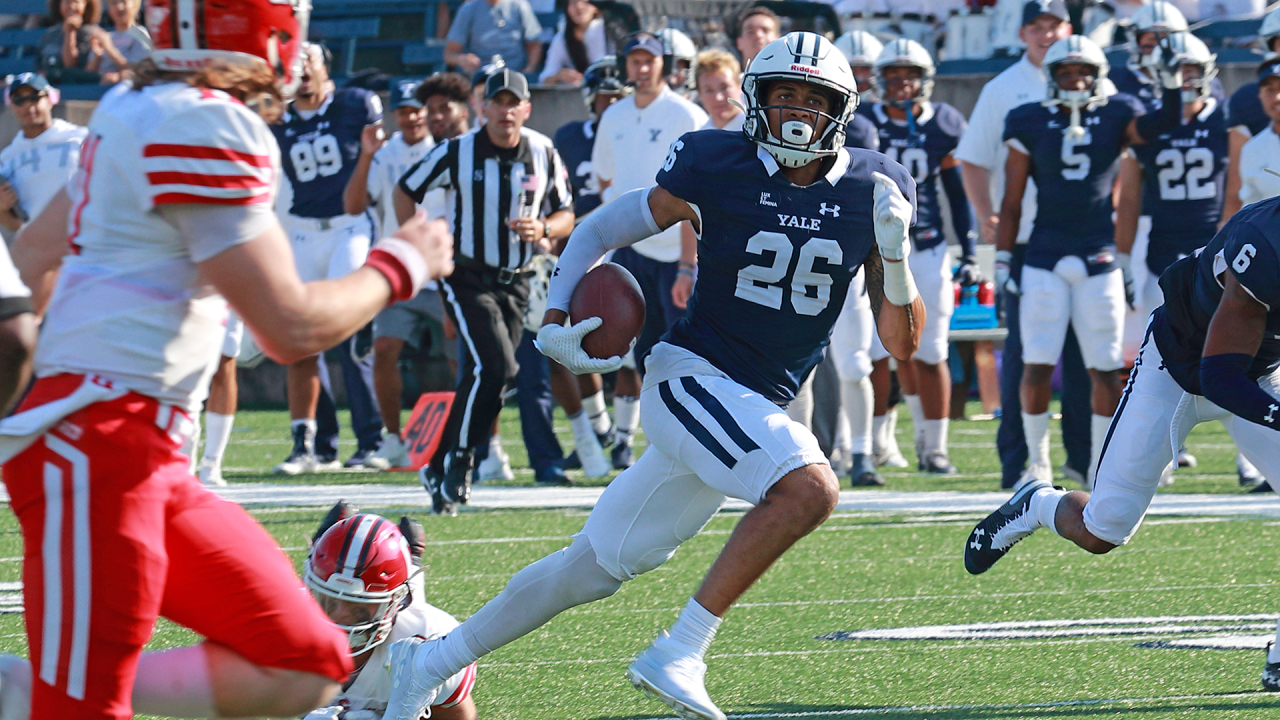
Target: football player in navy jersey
(602,86)
(786,215)
(319,139)
(1150,24)
(922,135)
(1211,353)
(1069,144)
(861,49)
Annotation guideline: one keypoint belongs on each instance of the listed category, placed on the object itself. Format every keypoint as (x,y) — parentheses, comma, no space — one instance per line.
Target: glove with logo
(563,343)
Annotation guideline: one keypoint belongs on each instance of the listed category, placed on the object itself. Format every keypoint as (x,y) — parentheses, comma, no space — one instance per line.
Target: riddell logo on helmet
(807,69)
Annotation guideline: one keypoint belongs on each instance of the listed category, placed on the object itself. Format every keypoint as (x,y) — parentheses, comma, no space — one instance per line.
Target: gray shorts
(408,320)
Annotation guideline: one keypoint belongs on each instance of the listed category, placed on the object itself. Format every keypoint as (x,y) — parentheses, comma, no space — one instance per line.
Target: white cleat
(210,475)
(412,692)
(891,458)
(591,455)
(390,454)
(15,688)
(495,467)
(674,679)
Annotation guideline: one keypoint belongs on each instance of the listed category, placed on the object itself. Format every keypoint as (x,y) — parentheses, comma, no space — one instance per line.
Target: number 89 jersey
(319,153)
(774,259)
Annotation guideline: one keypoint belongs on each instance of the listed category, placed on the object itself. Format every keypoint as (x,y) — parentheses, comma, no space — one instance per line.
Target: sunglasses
(23,100)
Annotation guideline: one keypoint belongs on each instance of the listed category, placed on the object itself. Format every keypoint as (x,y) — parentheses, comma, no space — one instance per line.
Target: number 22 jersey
(774,259)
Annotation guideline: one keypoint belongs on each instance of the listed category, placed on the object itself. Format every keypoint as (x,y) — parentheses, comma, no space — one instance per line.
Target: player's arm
(961,215)
(1235,334)
(900,320)
(355,196)
(1017,170)
(1150,126)
(1236,138)
(39,248)
(977,187)
(1127,200)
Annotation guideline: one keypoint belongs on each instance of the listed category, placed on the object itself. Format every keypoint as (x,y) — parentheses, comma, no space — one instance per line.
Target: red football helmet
(359,572)
(186,34)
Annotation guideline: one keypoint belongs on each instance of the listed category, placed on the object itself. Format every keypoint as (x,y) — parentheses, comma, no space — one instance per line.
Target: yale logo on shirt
(795,221)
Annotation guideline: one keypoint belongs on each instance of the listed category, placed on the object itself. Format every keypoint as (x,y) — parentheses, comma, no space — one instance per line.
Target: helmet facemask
(801,143)
(367,617)
(1075,98)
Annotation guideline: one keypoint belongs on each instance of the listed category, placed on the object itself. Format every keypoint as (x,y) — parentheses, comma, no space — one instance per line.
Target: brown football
(610,293)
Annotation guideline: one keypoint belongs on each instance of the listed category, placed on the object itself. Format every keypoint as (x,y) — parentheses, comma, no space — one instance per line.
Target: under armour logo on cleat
(1271,412)
(833,209)
(975,545)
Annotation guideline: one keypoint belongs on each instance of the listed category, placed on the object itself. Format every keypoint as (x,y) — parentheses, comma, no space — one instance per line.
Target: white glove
(411,696)
(891,213)
(325,713)
(1124,262)
(1005,283)
(564,345)
(1169,66)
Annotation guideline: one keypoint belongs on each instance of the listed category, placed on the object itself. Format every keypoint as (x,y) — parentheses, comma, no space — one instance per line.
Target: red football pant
(116,532)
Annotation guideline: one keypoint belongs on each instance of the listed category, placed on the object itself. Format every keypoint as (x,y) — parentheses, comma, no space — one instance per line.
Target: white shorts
(235,335)
(1093,305)
(324,254)
(1154,417)
(932,272)
(851,335)
(709,438)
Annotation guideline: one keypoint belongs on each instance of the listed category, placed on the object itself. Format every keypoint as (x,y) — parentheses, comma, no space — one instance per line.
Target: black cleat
(863,473)
(360,458)
(553,476)
(621,455)
(340,511)
(571,461)
(1262,487)
(431,482)
(415,535)
(455,486)
(937,463)
(1271,674)
(1001,530)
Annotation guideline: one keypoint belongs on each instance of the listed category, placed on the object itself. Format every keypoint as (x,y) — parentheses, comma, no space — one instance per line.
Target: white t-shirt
(10,283)
(39,167)
(558,55)
(129,304)
(631,145)
(389,164)
(372,687)
(1261,152)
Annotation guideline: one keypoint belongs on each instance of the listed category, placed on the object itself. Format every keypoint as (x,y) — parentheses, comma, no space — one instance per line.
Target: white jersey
(371,687)
(39,167)
(128,304)
(1259,156)
(390,164)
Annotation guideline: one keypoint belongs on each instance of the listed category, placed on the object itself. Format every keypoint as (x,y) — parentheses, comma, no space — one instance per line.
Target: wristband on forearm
(402,265)
(899,284)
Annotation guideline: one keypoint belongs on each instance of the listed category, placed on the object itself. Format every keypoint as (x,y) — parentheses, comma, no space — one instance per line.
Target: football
(610,293)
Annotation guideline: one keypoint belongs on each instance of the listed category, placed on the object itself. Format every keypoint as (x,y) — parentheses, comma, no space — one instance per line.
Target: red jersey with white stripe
(128,305)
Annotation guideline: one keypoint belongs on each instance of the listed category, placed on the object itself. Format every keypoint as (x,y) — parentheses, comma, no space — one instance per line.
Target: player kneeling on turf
(786,216)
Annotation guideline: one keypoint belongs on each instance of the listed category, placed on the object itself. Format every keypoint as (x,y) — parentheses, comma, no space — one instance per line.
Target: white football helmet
(1159,17)
(678,48)
(1191,50)
(1269,31)
(905,53)
(1076,49)
(805,57)
(859,47)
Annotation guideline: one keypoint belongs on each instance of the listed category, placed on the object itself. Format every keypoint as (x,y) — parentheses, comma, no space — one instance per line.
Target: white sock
(217,433)
(857,398)
(935,435)
(917,415)
(582,428)
(1098,426)
(174,683)
(1044,507)
(1273,655)
(1036,429)
(695,628)
(626,416)
(879,433)
(596,410)
(193,442)
(891,431)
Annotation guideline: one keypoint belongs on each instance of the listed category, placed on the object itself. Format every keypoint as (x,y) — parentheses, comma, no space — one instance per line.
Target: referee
(508,196)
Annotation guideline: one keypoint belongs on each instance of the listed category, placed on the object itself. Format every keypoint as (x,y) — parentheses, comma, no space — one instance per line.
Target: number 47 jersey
(774,259)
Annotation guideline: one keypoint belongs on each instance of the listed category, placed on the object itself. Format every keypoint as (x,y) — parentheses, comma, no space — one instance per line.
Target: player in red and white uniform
(366,578)
(170,212)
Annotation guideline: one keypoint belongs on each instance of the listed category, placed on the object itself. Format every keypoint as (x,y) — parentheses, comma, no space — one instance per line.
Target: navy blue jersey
(1183,178)
(1248,246)
(774,259)
(861,133)
(574,141)
(937,132)
(1245,108)
(319,153)
(1073,177)
(1146,90)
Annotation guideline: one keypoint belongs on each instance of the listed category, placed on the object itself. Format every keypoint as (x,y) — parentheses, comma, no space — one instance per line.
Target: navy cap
(1036,8)
(405,95)
(506,79)
(31,80)
(1269,68)
(646,42)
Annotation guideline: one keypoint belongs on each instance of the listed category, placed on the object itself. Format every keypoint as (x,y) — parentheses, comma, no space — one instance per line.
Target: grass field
(859,572)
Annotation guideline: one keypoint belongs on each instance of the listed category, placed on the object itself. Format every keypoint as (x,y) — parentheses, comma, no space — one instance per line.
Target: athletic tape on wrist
(899,284)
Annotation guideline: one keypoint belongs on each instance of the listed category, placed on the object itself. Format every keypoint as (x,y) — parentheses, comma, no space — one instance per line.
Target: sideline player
(43,156)
(170,213)
(772,284)
(1210,354)
(922,135)
(320,135)
(1069,145)
(861,49)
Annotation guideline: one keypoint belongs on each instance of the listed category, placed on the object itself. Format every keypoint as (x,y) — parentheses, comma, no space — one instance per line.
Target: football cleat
(432,482)
(863,473)
(392,453)
(210,475)
(497,466)
(1270,673)
(340,511)
(412,692)
(1186,459)
(552,476)
(937,463)
(621,455)
(1248,474)
(360,458)
(303,458)
(455,484)
(591,457)
(891,457)
(674,679)
(415,535)
(1002,529)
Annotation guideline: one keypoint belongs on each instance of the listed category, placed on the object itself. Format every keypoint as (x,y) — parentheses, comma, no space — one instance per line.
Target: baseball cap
(1036,8)
(405,95)
(646,42)
(509,80)
(1269,68)
(32,80)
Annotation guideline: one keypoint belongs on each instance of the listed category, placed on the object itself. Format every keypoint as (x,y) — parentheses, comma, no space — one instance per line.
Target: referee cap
(506,79)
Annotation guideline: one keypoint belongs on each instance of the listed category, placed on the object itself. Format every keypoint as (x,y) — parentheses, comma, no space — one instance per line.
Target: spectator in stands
(720,89)
(123,46)
(757,27)
(66,52)
(44,155)
(576,46)
(483,29)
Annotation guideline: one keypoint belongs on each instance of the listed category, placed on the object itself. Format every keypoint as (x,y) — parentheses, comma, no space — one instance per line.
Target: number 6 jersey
(319,151)
(774,259)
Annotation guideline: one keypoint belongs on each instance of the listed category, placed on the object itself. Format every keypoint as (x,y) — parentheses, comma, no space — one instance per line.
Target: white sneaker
(15,688)
(591,455)
(210,475)
(390,454)
(665,674)
(495,467)
(412,690)
(891,457)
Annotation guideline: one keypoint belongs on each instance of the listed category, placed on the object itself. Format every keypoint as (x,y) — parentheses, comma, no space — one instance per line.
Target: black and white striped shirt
(485,186)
